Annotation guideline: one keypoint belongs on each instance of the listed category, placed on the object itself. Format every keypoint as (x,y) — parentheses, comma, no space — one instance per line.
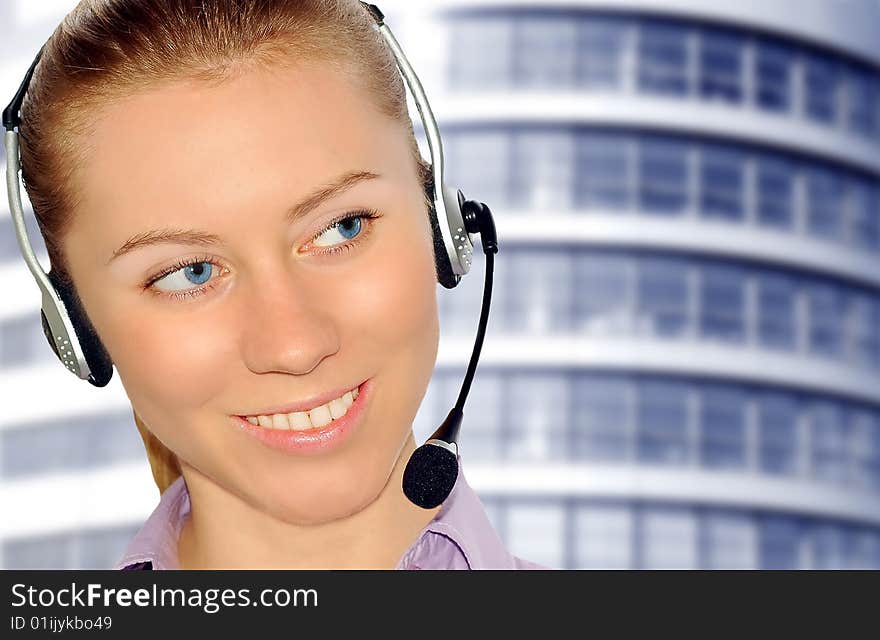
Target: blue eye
(351,228)
(348,228)
(195,273)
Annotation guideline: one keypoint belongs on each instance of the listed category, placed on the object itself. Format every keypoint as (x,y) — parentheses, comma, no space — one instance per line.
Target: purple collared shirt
(459,537)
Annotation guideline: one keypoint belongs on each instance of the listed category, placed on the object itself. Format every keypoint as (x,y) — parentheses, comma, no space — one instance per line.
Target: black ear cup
(445,275)
(96,355)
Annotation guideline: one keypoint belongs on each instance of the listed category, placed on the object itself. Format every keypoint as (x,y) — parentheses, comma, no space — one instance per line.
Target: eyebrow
(191,236)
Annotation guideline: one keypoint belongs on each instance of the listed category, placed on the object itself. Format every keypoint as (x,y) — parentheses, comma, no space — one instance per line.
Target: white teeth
(337,408)
(301,420)
(320,416)
(354,393)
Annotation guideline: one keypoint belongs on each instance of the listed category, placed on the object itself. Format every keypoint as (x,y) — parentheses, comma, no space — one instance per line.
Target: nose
(289,326)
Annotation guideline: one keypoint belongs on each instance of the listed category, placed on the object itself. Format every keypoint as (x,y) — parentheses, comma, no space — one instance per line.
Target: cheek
(170,360)
(393,294)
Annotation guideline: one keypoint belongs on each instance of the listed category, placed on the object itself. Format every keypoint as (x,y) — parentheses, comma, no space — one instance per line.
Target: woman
(236,195)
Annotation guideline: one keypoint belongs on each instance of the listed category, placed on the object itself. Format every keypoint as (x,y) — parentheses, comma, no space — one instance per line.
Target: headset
(432,469)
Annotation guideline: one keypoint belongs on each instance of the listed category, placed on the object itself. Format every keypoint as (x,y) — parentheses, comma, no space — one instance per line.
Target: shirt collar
(156,541)
(459,536)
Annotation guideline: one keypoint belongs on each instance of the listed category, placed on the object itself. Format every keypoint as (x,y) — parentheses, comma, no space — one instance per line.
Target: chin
(322,495)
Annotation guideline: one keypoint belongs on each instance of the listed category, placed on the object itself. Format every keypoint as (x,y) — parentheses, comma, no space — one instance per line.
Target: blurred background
(682,365)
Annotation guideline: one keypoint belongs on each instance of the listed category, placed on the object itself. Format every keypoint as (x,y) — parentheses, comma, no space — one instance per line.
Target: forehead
(188,144)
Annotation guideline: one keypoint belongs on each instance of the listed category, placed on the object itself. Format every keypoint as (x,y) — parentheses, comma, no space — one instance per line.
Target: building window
(722,303)
(663,176)
(825,203)
(829,438)
(721,183)
(83,549)
(74,443)
(22,341)
(540,303)
(662,297)
(721,66)
(481,52)
(826,324)
(777,433)
(602,176)
(537,532)
(603,536)
(866,449)
(663,59)
(601,52)
(773,77)
(479,161)
(601,418)
(780,543)
(859,547)
(828,546)
(543,170)
(821,83)
(668,538)
(775,192)
(864,207)
(662,422)
(722,427)
(602,292)
(545,52)
(863,101)
(539,416)
(863,330)
(730,541)
(776,310)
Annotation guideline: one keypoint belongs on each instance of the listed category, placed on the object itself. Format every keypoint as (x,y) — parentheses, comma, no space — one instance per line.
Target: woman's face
(272,317)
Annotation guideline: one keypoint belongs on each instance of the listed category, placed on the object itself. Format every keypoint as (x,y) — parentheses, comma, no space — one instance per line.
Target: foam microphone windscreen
(430,475)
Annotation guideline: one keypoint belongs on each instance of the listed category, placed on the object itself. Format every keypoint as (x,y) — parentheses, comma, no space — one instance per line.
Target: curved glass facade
(643,173)
(584,51)
(665,420)
(783,301)
(581,290)
(91,548)
(77,443)
(632,534)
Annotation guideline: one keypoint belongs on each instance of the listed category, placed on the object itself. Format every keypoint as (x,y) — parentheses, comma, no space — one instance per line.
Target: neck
(374,538)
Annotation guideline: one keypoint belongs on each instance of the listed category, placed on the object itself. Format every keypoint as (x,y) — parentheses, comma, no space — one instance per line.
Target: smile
(319,416)
(316,431)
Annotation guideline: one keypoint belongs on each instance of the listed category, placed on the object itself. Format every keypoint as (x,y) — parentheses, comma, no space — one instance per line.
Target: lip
(317,439)
(304,405)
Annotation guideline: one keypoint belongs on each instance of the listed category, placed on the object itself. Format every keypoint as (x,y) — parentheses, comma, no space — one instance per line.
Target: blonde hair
(163,463)
(106,49)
